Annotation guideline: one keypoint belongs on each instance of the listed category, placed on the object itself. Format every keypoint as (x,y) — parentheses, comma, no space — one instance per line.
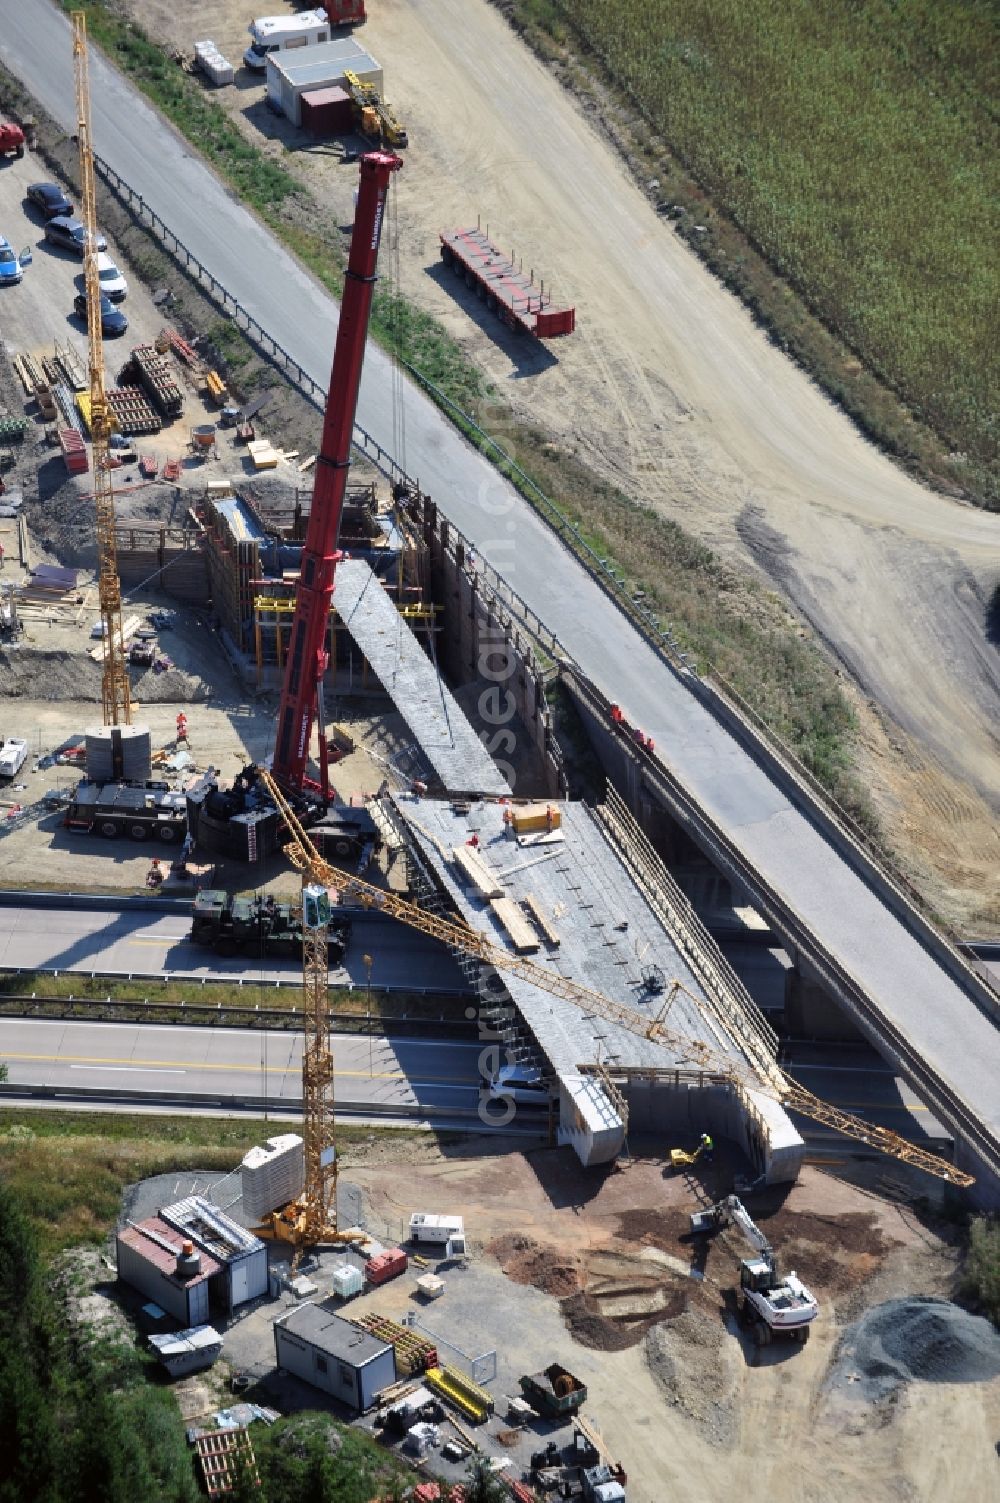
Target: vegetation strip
(719,614)
(851,151)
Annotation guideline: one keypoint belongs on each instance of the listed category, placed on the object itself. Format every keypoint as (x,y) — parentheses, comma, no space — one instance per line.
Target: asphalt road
(122,941)
(856,1079)
(778,838)
(401,1074)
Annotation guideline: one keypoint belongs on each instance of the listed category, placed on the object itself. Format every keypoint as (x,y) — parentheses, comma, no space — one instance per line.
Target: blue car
(113,320)
(10,266)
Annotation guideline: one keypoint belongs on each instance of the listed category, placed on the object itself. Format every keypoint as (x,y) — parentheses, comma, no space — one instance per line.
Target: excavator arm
(304,857)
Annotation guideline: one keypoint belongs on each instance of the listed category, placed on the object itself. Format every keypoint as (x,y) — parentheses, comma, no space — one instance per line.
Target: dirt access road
(668,388)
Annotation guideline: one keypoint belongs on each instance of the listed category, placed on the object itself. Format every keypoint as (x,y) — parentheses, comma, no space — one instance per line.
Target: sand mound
(915,1340)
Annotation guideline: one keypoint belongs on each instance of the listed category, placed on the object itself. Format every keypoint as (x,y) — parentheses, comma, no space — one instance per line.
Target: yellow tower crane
(115,690)
(314,1218)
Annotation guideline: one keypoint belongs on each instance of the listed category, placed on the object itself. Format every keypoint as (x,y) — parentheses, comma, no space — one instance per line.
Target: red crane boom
(307,658)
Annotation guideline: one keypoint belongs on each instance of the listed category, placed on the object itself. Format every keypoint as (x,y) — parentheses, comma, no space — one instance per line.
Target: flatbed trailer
(518,300)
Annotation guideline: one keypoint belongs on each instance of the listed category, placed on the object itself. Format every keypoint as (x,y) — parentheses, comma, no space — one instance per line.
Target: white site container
(445,1232)
(292,74)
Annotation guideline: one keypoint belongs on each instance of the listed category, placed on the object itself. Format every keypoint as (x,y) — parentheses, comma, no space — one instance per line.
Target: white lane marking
(132,1069)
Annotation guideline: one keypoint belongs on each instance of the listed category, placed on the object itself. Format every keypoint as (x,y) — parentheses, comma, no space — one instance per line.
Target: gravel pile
(692,1360)
(914,1340)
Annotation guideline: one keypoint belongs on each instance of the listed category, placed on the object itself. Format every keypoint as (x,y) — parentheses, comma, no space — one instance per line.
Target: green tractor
(257,926)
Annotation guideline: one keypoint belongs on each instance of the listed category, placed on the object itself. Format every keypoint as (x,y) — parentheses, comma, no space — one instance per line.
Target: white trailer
(445,1232)
(13,754)
(271,34)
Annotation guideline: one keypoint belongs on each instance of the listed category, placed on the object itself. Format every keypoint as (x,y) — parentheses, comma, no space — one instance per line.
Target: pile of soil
(528,1262)
(590,1327)
(832,1256)
(34,673)
(914,1340)
(693,1360)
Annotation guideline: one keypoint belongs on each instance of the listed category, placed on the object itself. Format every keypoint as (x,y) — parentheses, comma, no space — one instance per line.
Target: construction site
(687,1179)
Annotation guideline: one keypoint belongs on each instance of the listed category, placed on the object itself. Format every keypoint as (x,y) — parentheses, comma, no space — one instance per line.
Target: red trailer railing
(518,300)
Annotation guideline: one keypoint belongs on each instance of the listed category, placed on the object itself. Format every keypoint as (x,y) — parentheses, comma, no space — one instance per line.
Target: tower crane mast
(115,690)
(742,1077)
(307,657)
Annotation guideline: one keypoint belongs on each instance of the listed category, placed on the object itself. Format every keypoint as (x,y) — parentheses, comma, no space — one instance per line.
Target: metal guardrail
(240,1105)
(197,978)
(201,1014)
(943,1100)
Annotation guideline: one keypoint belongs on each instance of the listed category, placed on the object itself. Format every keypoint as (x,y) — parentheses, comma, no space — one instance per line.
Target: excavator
(771,1304)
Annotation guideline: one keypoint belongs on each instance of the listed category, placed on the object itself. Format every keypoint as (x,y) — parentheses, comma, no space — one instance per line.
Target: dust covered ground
(682,1397)
(669,390)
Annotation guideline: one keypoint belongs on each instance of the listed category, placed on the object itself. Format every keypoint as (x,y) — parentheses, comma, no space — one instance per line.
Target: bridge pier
(811,1012)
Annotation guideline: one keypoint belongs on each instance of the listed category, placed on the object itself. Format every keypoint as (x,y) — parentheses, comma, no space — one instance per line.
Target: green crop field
(856,146)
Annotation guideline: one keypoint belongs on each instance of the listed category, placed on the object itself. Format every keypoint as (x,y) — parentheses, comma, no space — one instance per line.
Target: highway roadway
(211,1068)
(238,1065)
(777,836)
(130,942)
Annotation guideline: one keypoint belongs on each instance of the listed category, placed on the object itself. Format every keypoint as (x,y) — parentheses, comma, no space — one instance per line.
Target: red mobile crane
(306,663)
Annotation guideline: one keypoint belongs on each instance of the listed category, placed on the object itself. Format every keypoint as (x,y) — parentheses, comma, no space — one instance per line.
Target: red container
(386,1265)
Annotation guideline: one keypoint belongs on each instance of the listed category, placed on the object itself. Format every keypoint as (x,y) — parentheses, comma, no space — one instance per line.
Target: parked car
(113,284)
(10,265)
(50,198)
(113,320)
(71,234)
(519,1084)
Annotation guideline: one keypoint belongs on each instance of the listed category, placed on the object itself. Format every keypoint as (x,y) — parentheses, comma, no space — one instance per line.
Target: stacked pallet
(132,411)
(11,427)
(151,372)
(414,1354)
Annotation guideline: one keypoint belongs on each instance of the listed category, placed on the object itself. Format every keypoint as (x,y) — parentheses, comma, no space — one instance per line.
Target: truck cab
(269,34)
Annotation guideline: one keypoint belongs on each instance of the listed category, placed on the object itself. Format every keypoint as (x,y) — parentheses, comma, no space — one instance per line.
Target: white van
(270,34)
(520,1084)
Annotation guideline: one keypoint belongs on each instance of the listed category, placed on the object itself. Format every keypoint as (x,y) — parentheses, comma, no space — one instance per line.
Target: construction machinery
(745,1080)
(11,140)
(374,118)
(770,1304)
(554,1392)
(259,926)
(115,690)
(302,692)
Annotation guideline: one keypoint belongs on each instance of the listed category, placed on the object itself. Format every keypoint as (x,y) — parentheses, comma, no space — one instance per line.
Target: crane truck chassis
(113,809)
(770,1304)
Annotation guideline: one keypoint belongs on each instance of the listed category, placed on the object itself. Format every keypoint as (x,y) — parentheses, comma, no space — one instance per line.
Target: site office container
(386,1265)
(292,74)
(425,1227)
